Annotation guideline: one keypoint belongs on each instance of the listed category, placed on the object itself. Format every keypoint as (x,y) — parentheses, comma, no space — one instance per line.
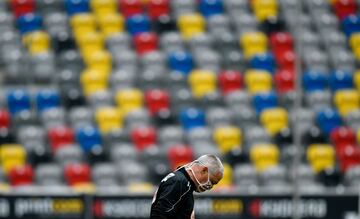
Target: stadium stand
(88,85)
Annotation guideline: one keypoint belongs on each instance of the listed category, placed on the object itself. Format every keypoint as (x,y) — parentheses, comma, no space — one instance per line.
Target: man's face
(202,175)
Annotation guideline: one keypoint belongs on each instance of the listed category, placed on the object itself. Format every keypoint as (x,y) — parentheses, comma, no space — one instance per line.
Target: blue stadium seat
(18,100)
(313,80)
(76,6)
(211,7)
(46,99)
(181,61)
(191,118)
(88,137)
(341,80)
(138,24)
(265,61)
(264,100)
(351,24)
(328,119)
(29,22)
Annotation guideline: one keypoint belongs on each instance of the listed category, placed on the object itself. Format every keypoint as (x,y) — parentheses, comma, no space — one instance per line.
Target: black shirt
(174,198)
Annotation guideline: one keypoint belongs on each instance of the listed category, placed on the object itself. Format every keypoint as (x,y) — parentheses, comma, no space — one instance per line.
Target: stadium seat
(273,25)
(164,24)
(156,8)
(274,119)
(190,25)
(145,42)
(245,175)
(265,8)
(263,61)
(138,24)
(265,100)
(253,43)
(202,82)
(129,8)
(18,100)
(353,119)
(103,7)
(21,175)
(104,174)
(344,8)
(219,23)
(318,100)
(230,81)
(179,155)
(255,134)
(131,172)
(143,137)
(12,155)
(264,156)
(210,8)
(181,61)
(352,176)
(330,177)
(313,81)
(284,81)
(346,101)
(30,136)
(77,174)
(137,118)
(343,136)
(348,156)
(37,42)
(46,99)
(284,138)
(227,138)
(20,7)
(88,137)
(60,136)
(171,42)
(74,7)
(108,118)
(341,80)
(328,119)
(258,81)
(321,157)
(217,117)
(191,118)
(5,119)
(129,99)
(157,100)
(48,174)
(351,24)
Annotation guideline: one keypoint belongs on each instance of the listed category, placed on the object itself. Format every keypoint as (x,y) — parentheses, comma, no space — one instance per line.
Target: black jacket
(174,198)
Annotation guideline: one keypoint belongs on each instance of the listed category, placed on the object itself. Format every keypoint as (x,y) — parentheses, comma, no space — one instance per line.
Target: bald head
(213,164)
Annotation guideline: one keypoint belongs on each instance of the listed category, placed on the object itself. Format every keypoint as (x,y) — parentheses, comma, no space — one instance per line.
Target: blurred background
(100,99)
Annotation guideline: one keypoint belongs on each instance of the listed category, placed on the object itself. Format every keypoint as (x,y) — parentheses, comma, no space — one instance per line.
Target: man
(174,197)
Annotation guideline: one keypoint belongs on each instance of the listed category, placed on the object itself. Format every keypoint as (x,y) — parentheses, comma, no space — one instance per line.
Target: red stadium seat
(21,7)
(286,59)
(143,137)
(21,175)
(145,42)
(285,81)
(349,156)
(343,136)
(60,136)
(130,7)
(230,81)
(180,155)
(344,8)
(157,100)
(281,41)
(157,8)
(4,119)
(77,174)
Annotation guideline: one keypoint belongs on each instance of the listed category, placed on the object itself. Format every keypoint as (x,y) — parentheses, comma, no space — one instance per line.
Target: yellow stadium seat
(129,99)
(84,188)
(202,82)
(258,81)
(274,119)
(109,118)
(89,43)
(100,60)
(227,179)
(357,80)
(101,7)
(321,156)
(354,40)
(356,53)
(358,136)
(253,43)
(82,23)
(111,23)
(37,42)
(346,101)
(265,8)
(12,155)
(93,80)
(228,138)
(264,156)
(5,188)
(191,25)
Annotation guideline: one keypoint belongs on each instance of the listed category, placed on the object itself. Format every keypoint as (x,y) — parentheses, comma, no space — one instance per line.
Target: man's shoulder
(176,178)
